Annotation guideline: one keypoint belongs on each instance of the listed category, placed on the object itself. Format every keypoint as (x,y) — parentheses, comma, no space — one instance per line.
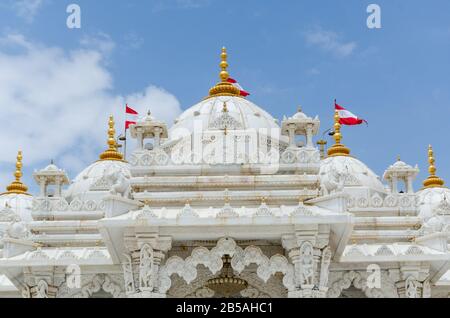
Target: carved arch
(356,279)
(212,259)
(96,283)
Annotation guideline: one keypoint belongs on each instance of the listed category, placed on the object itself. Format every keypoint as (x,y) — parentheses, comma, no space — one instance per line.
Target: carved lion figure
(120,184)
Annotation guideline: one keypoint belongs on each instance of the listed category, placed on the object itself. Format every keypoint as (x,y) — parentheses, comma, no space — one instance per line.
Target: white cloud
(54,104)
(100,41)
(330,41)
(133,41)
(27,9)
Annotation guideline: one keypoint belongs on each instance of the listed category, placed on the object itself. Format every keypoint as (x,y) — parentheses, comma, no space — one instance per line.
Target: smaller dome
(51,167)
(401,164)
(348,170)
(147,117)
(300,115)
(93,178)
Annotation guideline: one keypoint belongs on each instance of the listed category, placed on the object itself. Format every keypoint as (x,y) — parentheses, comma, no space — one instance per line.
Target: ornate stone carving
(120,184)
(363,202)
(263,210)
(443,207)
(346,279)
(97,283)
(384,250)
(306,265)
(225,121)
(41,289)
(147,274)
(128,275)
(302,210)
(376,200)
(18,230)
(227,212)
(288,157)
(76,204)
(102,184)
(426,289)
(8,215)
(212,259)
(414,250)
(324,267)
(145,213)
(411,287)
(355,251)
(390,201)
(187,212)
(90,205)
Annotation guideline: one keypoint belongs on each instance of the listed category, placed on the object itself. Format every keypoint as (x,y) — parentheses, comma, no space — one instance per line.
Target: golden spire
(224,88)
(432,181)
(337,149)
(111,153)
(17,186)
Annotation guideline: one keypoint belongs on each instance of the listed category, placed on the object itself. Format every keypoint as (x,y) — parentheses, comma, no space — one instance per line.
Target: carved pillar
(142,267)
(292,135)
(413,281)
(409,184)
(309,135)
(157,133)
(140,139)
(394,184)
(58,181)
(311,257)
(42,284)
(42,186)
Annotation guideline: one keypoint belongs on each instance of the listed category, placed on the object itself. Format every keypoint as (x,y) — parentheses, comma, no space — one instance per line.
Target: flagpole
(125,145)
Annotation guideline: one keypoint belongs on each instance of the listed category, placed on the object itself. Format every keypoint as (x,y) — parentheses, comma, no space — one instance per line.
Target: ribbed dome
(242,113)
(353,172)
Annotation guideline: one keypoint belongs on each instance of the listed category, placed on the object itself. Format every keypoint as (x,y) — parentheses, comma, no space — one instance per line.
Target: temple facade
(227,202)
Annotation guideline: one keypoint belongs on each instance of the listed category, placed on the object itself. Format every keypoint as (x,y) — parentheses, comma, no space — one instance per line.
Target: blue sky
(286,53)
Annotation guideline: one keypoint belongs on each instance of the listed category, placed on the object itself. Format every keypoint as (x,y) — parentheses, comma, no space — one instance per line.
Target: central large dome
(236,112)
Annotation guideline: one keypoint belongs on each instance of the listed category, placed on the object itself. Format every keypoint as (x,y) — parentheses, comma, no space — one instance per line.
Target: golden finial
(224,88)
(17,187)
(398,158)
(337,149)
(432,181)
(111,153)
(224,65)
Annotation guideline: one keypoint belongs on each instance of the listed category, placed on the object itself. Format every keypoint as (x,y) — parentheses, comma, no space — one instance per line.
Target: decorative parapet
(391,252)
(60,257)
(61,205)
(405,201)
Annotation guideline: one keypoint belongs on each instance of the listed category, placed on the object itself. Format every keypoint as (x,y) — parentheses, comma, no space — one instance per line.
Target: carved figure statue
(411,287)
(146,267)
(128,275)
(306,264)
(42,289)
(120,184)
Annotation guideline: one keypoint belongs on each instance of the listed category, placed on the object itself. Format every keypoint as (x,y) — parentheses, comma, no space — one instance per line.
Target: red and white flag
(242,92)
(132,116)
(346,117)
